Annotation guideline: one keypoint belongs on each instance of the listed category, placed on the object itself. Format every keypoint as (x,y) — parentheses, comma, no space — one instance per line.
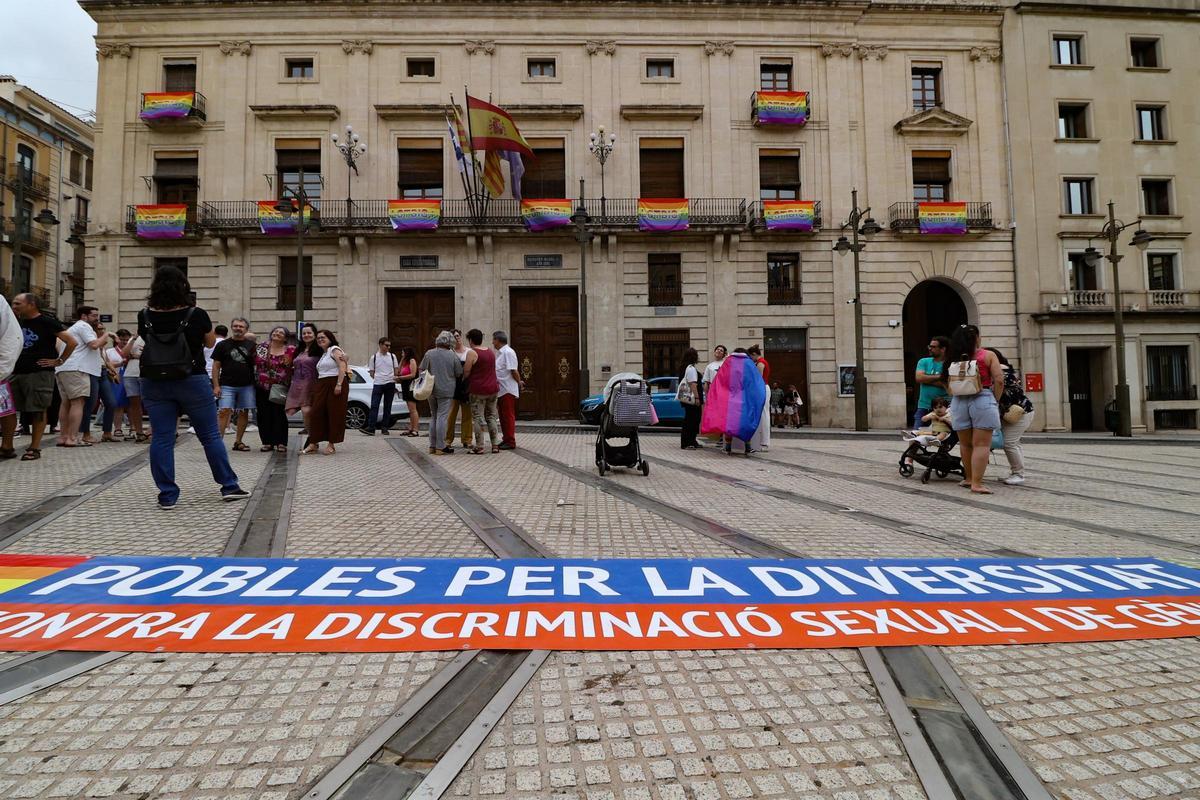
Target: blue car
(662,395)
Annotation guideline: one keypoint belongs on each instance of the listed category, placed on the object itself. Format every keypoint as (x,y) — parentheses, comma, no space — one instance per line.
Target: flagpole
(462,167)
(477,204)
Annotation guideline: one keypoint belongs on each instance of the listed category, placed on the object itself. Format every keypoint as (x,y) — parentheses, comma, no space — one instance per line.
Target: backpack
(963,378)
(166,356)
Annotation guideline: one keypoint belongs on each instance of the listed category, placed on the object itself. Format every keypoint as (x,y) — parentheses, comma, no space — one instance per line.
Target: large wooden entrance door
(786,350)
(417,316)
(545,334)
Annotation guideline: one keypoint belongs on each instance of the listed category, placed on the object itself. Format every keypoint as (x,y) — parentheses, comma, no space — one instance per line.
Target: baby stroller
(934,457)
(626,406)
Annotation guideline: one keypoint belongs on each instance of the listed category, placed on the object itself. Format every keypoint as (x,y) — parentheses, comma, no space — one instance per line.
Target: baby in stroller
(938,420)
(932,447)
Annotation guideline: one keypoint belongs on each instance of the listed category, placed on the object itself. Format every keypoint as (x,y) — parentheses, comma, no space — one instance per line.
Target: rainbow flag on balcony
(160,221)
(942,218)
(542,215)
(414,215)
(789,215)
(167,105)
(658,216)
(273,223)
(780,108)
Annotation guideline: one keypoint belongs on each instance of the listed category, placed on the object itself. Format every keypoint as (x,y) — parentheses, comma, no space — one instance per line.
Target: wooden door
(545,334)
(1079,388)
(417,316)
(786,350)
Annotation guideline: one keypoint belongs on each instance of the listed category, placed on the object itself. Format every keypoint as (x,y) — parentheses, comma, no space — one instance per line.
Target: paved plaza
(1092,721)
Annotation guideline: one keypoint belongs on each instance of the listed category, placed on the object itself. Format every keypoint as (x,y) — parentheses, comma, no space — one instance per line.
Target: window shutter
(420,168)
(546,175)
(778,171)
(661,171)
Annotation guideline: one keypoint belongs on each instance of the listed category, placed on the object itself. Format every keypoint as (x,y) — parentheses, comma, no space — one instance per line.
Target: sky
(48,46)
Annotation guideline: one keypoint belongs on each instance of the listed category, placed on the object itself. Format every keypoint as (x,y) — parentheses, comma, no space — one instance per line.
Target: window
(1081,276)
(1161,274)
(926,87)
(1156,197)
(23,275)
(420,174)
(546,175)
(783,278)
(542,68)
(421,67)
(87,174)
(178,262)
(1077,196)
(298,68)
(1150,123)
(660,168)
(778,176)
(1068,50)
(1144,52)
(660,68)
(665,279)
(286,291)
(1072,120)
(931,176)
(1169,377)
(26,158)
(82,206)
(775,77)
(293,158)
(25,219)
(76,169)
(179,76)
(662,351)
(175,181)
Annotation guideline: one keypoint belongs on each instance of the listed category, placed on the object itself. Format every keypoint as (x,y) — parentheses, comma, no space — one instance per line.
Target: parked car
(358,402)
(662,395)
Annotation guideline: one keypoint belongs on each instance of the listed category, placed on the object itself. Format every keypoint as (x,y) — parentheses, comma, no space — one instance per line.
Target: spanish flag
(493,129)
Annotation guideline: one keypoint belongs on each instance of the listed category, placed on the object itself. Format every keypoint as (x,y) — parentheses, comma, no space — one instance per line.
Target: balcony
(665,295)
(1168,393)
(32,237)
(783,295)
(34,184)
(904,218)
(1100,301)
(759,223)
(191,227)
(79,224)
(173,110)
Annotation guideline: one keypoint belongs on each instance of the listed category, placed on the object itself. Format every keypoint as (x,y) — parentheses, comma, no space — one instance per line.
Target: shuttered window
(546,175)
(931,175)
(286,290)
(661,168)
(179,76)
(662,351)
(665,279)
(779,176)
(289,162)
(175,181)
(420,174)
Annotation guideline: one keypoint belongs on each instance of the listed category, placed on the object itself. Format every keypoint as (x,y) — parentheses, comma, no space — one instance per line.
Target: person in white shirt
(710,372)
(78,378)
(510,388)
(12,340)
(383,366)
(222,334)
(110,388)
(132,353)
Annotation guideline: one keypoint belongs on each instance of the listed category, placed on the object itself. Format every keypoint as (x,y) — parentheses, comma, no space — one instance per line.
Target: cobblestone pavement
(1096,721)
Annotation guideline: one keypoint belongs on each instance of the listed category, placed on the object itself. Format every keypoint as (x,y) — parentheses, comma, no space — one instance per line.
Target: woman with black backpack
(174,382)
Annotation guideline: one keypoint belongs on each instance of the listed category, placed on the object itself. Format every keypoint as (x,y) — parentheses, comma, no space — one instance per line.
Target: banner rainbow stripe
(942,218)
(789,215)
(167,105)
(160,221)
(18,570)
(414,215)
(658,216)
(272,223)
(780,108)
(542,215)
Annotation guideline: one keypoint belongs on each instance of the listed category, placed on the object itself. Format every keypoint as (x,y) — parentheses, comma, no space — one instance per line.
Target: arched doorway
(932,308)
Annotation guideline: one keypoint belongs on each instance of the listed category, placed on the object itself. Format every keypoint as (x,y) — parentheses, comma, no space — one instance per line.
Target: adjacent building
(45,175)
(1102,107)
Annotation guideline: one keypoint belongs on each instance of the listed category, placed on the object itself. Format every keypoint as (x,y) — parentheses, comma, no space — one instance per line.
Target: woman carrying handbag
(272,376)
(688,396)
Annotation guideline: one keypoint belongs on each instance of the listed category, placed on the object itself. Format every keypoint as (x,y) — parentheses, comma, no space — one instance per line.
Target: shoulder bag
(963,380)
(423,389)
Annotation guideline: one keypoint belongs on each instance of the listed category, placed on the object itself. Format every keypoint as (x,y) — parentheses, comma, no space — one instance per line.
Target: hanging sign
(780,108)
(414,215)
(384,605)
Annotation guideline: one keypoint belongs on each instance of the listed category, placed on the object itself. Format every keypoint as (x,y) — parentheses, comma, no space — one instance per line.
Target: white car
(358,403)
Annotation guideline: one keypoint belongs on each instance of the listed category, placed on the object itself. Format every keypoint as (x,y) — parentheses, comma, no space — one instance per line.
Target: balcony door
(179,76)
(660,168)
(25,162)
(176,180)
(931,176)
(293,158)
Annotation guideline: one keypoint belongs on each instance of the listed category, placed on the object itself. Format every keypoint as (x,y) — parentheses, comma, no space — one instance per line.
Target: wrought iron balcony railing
(1159,393)
(783,295)
(79,224)
(35,184)
(194,116)
(906,217)
(665,295)
(32,237)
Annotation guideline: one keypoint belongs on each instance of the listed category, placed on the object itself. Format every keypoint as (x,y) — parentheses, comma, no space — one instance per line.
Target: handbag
(424,386)
(8,405)
(685,395)
(278,393)
(963,378)
(1014,414)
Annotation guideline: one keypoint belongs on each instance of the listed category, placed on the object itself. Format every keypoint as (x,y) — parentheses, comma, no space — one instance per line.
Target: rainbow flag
(789,215)
(780,108)
(414,215)
(734,405)
(942,218)
(272,223)
(18,570)
(662,215)
(542,215)
(167,105)
(160,221)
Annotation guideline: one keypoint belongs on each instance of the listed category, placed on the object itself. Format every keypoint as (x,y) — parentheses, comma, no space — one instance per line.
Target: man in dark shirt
(233,379)
(32,381)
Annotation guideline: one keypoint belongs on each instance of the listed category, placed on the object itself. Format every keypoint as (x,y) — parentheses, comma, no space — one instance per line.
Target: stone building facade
(1102,106)
(894,113)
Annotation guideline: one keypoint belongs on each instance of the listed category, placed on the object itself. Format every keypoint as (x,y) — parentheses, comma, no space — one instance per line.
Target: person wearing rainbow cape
(735,401)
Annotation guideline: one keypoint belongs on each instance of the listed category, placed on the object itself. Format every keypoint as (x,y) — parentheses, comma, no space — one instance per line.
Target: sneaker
(386,432)
(166,506)
(252,428)
(236,494)
(1014,480)
(505,446)
(366,432)
(448,451)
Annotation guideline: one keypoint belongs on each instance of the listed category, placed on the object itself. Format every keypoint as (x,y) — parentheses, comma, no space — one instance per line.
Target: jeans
(439,411)
(89,405)
(387,393)
(108,396)
(484,409)
(165,401)
(240,398)
(921,412)
(508,418)
(1013,431)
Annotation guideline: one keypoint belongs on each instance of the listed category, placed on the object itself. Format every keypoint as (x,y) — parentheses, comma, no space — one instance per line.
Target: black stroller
(934,457)
(626,406)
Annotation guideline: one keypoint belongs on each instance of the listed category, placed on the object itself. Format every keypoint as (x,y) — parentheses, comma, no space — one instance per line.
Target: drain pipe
(1012,206)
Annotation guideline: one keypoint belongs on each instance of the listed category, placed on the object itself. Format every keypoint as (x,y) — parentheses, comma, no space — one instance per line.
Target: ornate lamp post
(860,223)
(583,235)
(1112,231)
(601,146)
(285,206)
(352,148)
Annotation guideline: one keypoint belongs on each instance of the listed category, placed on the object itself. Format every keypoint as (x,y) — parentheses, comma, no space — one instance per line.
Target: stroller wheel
(603,467)
(645,467)
(941,473)
(925,476)
(906,470)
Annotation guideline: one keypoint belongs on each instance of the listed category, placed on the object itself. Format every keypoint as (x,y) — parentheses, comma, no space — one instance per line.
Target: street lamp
(860,223)
(352,149)
(45,217)
(601,146)
(1141,239)
(286,206)
(583,235)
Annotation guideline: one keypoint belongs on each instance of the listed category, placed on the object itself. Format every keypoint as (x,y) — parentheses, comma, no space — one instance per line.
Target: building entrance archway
(932,308)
